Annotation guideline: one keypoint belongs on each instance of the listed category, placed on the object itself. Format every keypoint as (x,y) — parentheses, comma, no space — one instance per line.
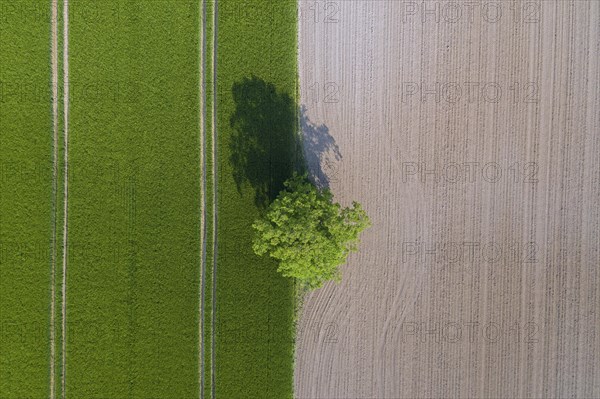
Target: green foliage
(309,234)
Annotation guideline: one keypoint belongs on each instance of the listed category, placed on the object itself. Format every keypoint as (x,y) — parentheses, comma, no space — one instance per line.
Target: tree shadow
(321,153)
(263,145)
(265,149)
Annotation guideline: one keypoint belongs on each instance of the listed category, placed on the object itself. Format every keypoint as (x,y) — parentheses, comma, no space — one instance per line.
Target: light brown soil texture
(470,132)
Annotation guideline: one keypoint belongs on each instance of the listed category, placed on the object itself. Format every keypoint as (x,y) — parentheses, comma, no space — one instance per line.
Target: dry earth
(473,140)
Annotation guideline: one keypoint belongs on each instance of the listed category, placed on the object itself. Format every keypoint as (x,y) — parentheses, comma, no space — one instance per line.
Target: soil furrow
(467,138)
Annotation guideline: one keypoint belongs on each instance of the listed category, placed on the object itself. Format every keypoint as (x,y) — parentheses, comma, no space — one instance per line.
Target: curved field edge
(255,306)
(134,196)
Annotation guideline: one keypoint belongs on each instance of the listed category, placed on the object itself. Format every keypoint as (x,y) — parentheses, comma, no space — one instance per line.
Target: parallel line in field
(215,189)
(203,188)
(54,62)
(66,184)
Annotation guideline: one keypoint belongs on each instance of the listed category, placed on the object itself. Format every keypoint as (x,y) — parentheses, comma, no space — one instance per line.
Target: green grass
(59,199)
(256,139)
(208,314)
(134,234)
(134,199)
(25,198)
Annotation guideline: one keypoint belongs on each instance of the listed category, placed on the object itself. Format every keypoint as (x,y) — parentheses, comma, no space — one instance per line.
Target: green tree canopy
(308,234)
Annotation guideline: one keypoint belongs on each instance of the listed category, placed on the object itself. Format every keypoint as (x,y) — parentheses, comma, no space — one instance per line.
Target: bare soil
(471,134)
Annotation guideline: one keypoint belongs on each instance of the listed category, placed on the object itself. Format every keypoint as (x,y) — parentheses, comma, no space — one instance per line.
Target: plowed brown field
(471,134)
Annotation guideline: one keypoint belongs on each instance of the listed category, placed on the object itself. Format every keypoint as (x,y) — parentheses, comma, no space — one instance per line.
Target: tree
(307,233)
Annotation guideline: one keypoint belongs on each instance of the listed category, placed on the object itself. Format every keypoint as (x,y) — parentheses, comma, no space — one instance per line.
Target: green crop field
(26,138)
(134,200)
(256,91)
(141,110)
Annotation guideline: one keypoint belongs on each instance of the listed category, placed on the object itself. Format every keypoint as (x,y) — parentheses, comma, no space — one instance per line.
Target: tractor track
(66,189)
(54,66)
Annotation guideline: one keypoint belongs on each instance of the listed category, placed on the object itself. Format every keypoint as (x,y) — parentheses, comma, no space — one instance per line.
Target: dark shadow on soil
(321,153)
(265,149)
